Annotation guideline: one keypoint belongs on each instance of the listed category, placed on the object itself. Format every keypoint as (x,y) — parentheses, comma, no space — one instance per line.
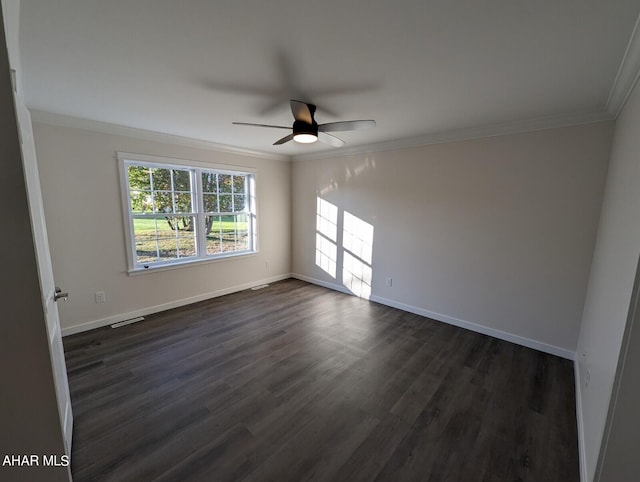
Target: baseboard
(502,335)
(582,455)
(90,325)
(519,340)
(324,284)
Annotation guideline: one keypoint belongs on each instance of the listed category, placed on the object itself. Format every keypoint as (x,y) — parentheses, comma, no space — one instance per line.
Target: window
(178,212)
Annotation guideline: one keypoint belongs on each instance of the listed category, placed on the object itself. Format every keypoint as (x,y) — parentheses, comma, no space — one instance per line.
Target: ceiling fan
(306,130)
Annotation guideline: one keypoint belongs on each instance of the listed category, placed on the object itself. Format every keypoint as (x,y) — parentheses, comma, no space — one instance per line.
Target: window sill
(185,264)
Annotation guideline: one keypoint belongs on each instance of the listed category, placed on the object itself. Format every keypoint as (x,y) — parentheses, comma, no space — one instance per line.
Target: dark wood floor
(295,382)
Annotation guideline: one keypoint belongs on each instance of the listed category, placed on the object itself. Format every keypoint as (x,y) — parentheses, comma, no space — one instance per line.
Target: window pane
(242,232)
(181,180)
(210,203)
(181,223)
(164,239)
(140,201)
(181,245)
(139,187)
(213,234)
(238,184)
(225,203)
(161,179)
(139,178)
(144,234)
(182,202)
(163,202)
(227,234)
(225,182)
(168,193)
(209,182)
(238,203)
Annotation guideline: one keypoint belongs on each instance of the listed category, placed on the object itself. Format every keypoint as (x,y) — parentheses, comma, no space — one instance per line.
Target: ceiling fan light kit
(307,131)
(305,138)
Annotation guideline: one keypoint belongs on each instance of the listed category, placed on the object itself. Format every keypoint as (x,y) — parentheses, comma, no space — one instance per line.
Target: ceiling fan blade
(302,111)
(346,126)
(259,125)
(331,140)
(283,140)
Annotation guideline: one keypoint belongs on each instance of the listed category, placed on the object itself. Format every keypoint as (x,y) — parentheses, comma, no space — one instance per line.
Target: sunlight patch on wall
(326,255)
(326,236)
(327,219)
(357,241)
(356,276)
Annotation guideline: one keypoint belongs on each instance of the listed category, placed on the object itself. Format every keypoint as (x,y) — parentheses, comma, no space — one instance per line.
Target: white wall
(618,460)
(611,281)
(81,192)
(495,234)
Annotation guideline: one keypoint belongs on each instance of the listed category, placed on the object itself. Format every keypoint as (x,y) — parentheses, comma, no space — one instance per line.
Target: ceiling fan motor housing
(301,127)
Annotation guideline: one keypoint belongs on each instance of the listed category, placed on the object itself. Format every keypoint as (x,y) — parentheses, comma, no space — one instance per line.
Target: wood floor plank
(297,382)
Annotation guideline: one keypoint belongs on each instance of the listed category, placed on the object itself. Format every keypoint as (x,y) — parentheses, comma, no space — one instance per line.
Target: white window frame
(196,169)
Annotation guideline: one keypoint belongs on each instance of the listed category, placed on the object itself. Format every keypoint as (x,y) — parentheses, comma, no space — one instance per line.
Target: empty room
(320,241)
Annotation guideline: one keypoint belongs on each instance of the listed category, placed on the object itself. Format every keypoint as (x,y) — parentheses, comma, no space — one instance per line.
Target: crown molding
(627,76)
(528,125)
(113,129)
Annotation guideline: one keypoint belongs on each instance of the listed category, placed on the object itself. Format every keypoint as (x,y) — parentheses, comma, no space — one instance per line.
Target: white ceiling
(418,67)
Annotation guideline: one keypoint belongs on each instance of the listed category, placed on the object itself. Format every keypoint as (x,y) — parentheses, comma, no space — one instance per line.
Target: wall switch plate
(388,282)
(100,297)
(587,378)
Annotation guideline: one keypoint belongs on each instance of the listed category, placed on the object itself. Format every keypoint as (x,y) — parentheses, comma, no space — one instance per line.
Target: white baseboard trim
(90,325)
(582,455)
(502,335)
(324,284)
(485,330)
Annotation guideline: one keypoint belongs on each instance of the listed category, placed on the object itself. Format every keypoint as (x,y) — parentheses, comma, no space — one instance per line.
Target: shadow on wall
(344,247)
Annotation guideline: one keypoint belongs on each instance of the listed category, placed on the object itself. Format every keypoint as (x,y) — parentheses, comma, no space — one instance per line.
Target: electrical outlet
(100,297)
(587,378)
(388,282)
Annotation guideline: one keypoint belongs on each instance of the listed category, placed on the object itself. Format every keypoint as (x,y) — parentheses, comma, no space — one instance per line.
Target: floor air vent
(127,322)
